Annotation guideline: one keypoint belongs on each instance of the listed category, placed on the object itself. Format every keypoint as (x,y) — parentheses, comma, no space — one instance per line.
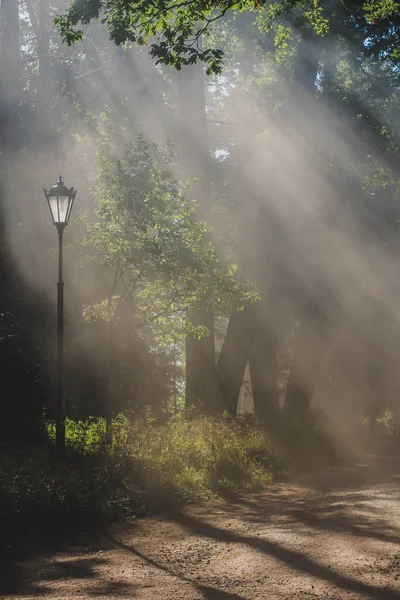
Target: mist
(199,370)
(288,172)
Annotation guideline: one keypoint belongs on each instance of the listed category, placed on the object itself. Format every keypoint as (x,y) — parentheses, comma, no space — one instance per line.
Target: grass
(145,468)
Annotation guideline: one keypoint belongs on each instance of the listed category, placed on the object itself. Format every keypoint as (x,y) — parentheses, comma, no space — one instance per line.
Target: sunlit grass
(144,468)
(190,460)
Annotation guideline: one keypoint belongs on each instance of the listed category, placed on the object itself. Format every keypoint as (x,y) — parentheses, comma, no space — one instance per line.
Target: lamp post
(60,200)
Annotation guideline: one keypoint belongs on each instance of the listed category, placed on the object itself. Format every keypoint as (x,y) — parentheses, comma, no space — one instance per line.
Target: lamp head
(60,200)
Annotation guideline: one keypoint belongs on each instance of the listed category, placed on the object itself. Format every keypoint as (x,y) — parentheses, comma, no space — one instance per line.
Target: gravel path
(335,537)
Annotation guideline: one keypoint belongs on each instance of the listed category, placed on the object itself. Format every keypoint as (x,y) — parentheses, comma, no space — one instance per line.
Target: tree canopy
(174,29)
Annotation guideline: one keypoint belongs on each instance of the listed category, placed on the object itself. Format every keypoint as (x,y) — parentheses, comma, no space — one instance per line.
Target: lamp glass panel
(59,208)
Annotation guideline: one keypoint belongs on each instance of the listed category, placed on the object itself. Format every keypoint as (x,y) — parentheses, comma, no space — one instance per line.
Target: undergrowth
(145,468)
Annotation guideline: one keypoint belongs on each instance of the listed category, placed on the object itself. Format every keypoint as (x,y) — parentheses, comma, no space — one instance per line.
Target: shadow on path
(14,581)
(347,511)
(342,501)
(294,559)
(210,593)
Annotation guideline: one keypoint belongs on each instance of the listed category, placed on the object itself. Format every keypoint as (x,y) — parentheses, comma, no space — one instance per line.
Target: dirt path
(337,539)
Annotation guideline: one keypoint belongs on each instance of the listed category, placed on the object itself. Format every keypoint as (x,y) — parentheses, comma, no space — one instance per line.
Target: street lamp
(60,200)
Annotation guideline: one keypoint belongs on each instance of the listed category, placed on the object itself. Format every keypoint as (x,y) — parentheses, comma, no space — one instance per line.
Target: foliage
(387,430)
(299,13)
(219,453)
(146,468)
(163,261)
(380,20)
(176,27)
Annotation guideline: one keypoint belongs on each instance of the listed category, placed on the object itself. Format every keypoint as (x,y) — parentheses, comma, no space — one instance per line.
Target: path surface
(330,539)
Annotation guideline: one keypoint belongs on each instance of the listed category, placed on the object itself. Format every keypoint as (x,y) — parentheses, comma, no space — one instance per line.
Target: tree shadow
(347,511)
(113,588)
(296,560)
(209,593)
(14,581)
(27,563)
(348,508)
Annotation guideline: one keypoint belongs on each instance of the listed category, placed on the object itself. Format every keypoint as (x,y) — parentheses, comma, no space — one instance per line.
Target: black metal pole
(60,419)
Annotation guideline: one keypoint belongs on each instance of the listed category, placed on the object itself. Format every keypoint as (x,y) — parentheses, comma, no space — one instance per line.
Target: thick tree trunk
(234,355)
(306,360)
(202,391)
(263,363)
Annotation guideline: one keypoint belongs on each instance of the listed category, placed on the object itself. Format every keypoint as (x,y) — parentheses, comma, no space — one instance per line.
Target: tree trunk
(10,75)
(254,338)
(45,78)
(234,355)
(44,131)
(306,359)
(263,363)
(202,390)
